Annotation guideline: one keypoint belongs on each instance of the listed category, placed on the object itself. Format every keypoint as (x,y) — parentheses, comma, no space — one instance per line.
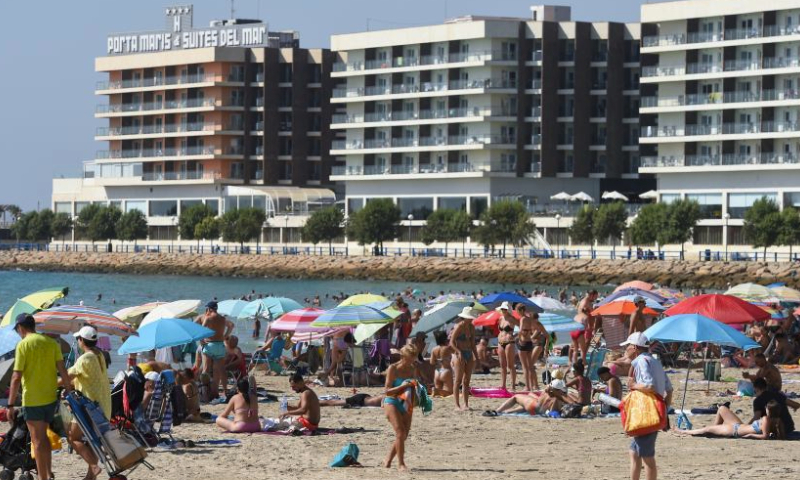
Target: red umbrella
(722,308)
(298,321)
(491,318)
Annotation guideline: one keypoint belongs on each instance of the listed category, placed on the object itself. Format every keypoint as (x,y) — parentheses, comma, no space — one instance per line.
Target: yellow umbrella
(38,300)
(363,299)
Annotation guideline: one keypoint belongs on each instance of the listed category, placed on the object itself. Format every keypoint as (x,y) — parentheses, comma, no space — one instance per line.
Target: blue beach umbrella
(554,323)
(163,333)
(696,328)
(350,316)
(494,300)
(231,308)
(8,339)
(271,306)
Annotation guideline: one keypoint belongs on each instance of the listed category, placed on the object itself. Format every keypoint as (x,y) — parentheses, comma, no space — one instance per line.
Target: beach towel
(308,433)
(491,392)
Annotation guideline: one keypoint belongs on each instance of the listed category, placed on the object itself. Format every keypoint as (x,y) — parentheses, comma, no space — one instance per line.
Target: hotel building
(476,109)
(229,115)
(720,107)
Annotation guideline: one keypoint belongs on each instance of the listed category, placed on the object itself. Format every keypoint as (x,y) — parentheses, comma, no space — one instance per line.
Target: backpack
(180,405)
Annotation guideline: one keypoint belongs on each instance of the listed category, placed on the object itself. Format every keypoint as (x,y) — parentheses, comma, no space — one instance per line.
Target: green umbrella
(34,302)
(20,307)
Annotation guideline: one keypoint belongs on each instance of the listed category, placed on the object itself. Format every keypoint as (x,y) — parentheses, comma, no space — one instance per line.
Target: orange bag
(643,413)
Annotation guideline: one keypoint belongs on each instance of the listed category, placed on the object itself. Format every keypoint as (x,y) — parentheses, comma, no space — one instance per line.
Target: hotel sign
(184,37)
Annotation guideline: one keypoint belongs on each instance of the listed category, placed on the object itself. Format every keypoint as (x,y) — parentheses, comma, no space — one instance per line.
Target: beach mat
(309,433)
(528,415)
(492,392)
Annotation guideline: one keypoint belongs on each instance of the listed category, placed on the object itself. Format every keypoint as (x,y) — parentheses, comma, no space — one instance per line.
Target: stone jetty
(687,274)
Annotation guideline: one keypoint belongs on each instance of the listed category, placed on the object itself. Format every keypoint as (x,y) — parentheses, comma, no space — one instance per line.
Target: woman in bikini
(244,406)
(727,424)
(462,341)
(581,338)
(580,383)
(530,344)
(505,346)
(401,384)
(441,360)
(535,403)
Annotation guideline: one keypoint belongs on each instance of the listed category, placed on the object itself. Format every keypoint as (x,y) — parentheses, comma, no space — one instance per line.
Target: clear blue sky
(48,50)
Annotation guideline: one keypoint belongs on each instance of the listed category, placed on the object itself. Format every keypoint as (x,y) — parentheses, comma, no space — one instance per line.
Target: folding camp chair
(354,365)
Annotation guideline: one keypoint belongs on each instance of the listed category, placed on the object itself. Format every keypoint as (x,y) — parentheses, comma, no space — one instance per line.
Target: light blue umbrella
(648,302)
(696,328)
(440,315)
(163,333)
(270,306)
(350,316)
(554,323)
(231,308)
(8,339)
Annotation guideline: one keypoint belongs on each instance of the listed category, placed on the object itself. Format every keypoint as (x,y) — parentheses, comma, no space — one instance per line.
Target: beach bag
(347,457)
(571,410)
(643,413)
(180,409)
(53,439)
(124,448)
(745,388)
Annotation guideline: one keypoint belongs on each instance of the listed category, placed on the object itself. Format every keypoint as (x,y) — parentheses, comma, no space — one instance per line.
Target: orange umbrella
(619,308)
(635,284)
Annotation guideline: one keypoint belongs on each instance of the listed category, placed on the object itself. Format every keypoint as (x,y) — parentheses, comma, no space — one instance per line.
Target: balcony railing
(404,115)
(157,81)
(535,84)
(423,142)
(422,169)
(156,152)
(535,167)
(728,66)
(724,129)
(719,160)
(536,112)
(151,106)
(427,87)
(536,139)
(185,175)
(155,129)
(402,62)
(705,37)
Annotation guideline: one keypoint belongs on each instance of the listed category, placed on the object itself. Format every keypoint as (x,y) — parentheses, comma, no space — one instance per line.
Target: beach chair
(356,364)
(594,361)
(159,411)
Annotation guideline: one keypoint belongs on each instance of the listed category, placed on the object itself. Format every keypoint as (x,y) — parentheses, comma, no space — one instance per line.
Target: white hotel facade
(720,107)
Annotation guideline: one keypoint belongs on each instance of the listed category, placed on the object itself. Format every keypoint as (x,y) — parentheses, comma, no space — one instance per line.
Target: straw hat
(467,313)
(504,306)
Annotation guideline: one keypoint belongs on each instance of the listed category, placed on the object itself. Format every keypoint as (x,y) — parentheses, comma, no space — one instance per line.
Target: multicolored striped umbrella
(558,323)
(786,294)
(298,321)
(350,316)
(70,318)
(363,299)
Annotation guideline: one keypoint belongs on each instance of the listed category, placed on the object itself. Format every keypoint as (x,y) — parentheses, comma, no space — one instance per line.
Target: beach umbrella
(8,339)
(637,284)
(176,309)
(439,316)
(582,197)
(268,307)
(496,299)
(786,294)
(350,316)
(750,290)
(363,299)
(70,318)
(231,308)
(561,196)
(298,321)
(163,333)
(696,328)
(672,296)
(649,195)
(450,297)
(385,307)
(134,315)
(722,308)
(555,323)
(633,292)
(491,318)
(613,309)
(20,306)
(649,303)
(774,313)
(614,196)
(366,331)
(548,303)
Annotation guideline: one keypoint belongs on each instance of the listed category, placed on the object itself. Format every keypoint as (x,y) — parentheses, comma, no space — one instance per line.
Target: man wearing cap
(214,348)
(647,375)
(37,364)
(637,321)
(90,377)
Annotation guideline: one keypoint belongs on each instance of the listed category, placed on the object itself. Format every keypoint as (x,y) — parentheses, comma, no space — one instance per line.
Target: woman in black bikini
(530,344)
(464,354)
(505,346)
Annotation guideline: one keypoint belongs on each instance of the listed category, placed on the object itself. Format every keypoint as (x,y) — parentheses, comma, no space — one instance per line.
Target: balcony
(185,175)
(728,66)
(423,169)
(153,106)
(424,142)
(536,56)
(719,160)
(707,37)
(404,116)
(155,152)
(536,112)
(426,60)
(413,88)
(536,139)
(156,81)
(724,129)
(155,129)
(535,167)
(535,84)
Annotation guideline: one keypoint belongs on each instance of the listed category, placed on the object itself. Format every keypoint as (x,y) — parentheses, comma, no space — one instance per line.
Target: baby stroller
(15,452)
(117,450)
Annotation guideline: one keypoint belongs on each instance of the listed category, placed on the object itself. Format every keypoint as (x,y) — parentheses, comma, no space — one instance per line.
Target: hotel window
(185,204)
(213,205)
(80,206)
(453,203)
(354,205)
(131,205)
(739,203)
(63,207)
(477,205)
(421,208)
(163,208)
(710,204)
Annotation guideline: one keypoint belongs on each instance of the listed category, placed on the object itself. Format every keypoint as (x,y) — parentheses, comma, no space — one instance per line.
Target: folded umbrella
(163,333)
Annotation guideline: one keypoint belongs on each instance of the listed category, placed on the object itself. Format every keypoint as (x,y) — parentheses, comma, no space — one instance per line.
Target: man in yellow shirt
(37,364)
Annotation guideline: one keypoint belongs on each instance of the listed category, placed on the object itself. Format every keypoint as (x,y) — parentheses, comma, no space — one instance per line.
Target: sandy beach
(456,445)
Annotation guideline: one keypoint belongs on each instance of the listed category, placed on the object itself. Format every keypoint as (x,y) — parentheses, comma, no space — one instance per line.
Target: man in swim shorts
(213,349)
(306,413)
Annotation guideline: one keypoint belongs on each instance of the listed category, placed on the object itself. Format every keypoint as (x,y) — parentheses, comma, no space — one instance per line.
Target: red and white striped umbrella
(70,318)
(299,321)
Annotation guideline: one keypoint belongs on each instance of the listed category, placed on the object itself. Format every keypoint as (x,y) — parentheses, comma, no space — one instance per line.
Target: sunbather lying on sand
(535,403)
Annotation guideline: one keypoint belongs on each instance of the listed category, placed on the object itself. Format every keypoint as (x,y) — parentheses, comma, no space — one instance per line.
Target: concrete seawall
(488,270)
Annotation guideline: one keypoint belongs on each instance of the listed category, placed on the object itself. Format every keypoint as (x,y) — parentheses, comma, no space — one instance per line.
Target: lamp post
(174,233)
(558,237)
(726,217)
(410,219)
(286,229)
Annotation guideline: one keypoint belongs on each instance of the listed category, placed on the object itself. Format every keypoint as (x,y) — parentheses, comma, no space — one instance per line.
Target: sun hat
(504,306)
(87,333)
(559,385)
(468,313)
(637,338)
